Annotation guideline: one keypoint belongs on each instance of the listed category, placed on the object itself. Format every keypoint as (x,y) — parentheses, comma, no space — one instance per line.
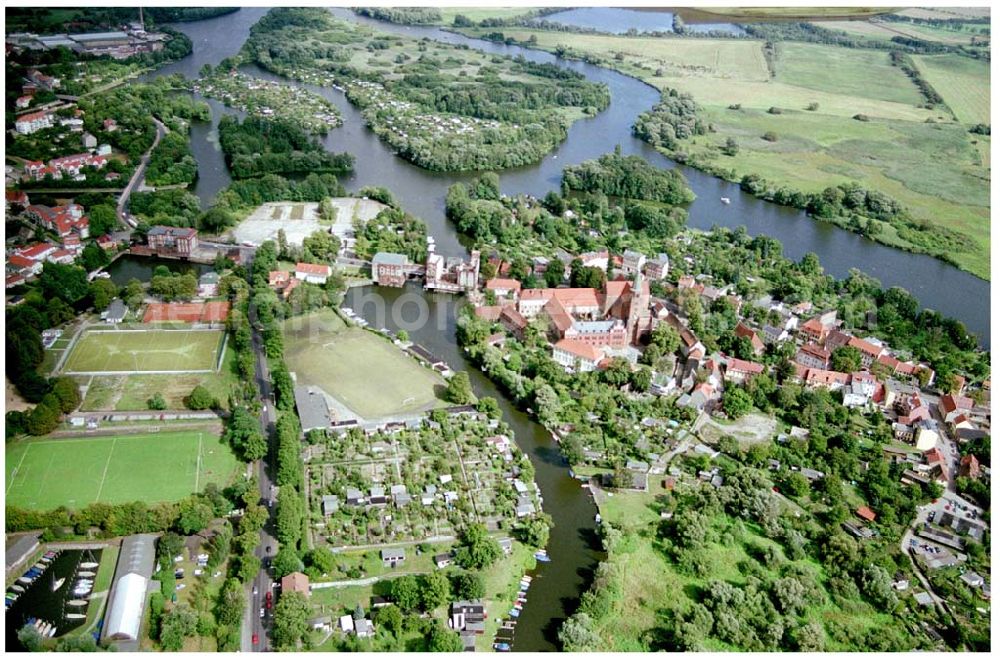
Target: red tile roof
(866,513)
(580,349)
(312,269)
(503,283)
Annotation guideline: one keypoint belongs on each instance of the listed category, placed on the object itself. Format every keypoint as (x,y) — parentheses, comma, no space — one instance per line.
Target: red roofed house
(63,220)
(743,330)
(14,280)
(577,355)
(23,101)
(813,356)
(31,122)
(865,513)
(16,197)
(24,265)
(110,125)
(951,406)
(814,330)
(313,273)
(512,320)
(504,287)
(490,313)
(106,242)
(278,279)
(37,252)
(295,582)
(869,351)
(738,371)
(833,380)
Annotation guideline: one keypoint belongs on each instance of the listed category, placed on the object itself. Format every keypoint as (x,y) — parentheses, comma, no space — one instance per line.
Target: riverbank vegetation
(440,106)
(270,99)
(777,112)
(258,146)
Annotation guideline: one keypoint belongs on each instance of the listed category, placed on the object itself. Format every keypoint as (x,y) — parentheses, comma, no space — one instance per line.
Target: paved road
(253,623)
(139,174)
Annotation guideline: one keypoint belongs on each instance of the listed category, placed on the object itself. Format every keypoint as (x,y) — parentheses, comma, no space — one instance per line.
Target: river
(555,593)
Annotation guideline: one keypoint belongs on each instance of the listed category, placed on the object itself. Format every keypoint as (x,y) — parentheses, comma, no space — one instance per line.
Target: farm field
(365,372)
(920,157)
(963,83)
(131,391)
(145,350)
(844,71)
(153,467)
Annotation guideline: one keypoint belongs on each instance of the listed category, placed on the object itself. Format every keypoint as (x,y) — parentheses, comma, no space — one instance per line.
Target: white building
(577,355)
(31,122)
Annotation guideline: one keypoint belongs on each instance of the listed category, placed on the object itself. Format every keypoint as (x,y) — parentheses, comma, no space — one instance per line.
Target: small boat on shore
(17,588)
(597,519)
(725,200)
(89,564)
(542,556)
(75,616)
(79,602)
(86,574)
(58,583)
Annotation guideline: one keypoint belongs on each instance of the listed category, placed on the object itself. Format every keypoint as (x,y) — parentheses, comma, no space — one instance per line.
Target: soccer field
(365,372)
(145,350)
(154,467)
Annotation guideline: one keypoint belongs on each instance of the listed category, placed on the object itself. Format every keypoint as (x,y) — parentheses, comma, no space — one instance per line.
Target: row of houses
(72,166)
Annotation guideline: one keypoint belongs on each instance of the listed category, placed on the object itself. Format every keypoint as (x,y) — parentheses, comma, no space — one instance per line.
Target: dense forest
(632,177)
(402,15)
(44,20)
(258,146)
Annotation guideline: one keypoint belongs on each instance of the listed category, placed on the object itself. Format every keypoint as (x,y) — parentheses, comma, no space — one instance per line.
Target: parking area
(300,219)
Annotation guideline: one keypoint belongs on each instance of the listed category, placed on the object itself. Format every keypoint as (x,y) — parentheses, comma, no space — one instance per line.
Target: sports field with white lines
(152,467)
(121,351)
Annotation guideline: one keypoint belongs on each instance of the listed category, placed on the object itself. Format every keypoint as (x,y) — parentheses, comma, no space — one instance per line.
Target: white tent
(126,608)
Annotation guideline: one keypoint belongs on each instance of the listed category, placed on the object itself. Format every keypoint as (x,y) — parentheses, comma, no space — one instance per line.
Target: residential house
(742,330)
(469,616)
(577,355)
(32,122)
(116,311)
(393,557)
(969,467)
(861,390)
(813,356)
(739,371)
(295,582)
(633,262)
(313,273)
(952,406)
(444,560)
(656,269)
(504,288)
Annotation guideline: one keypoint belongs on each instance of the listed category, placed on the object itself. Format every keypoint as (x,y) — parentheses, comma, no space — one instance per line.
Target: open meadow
(152,467)
(145,350)
(963,83)
(364,371)
(920,157)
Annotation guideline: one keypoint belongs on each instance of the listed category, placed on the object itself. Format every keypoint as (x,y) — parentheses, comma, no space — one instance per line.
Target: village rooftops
(580,349)
(312,269)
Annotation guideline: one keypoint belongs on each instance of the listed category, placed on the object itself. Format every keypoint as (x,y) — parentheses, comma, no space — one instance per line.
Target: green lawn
(365,372)
(132,391)
(154,467)
(145,350)
(963,83)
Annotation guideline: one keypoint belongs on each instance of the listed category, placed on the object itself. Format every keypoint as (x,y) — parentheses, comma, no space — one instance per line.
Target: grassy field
(845,72)
(154,467)
(920,157)
(145,350)
(131,391)
(365,372)
(448,14)
(963,83)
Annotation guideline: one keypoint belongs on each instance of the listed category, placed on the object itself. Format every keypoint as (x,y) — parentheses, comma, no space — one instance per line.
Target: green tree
(846,359)
(177,624)
(290,617)
(477,549)
(102,292)
(459,390)
(68,393)
(103,219)
(435,590)
(405,592)
(287,561)
(389,618)
(443,640)
(322,560)
(736,402)
(467,585)
(195,515)
(156,402)
(289,517)
(200,399)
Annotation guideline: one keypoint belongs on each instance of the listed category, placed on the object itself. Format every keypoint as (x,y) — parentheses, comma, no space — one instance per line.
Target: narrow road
(139,174)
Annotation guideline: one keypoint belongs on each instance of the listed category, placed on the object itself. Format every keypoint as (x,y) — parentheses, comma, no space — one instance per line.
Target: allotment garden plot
(420,483)
(152,467)
(137,351)
(360,369)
